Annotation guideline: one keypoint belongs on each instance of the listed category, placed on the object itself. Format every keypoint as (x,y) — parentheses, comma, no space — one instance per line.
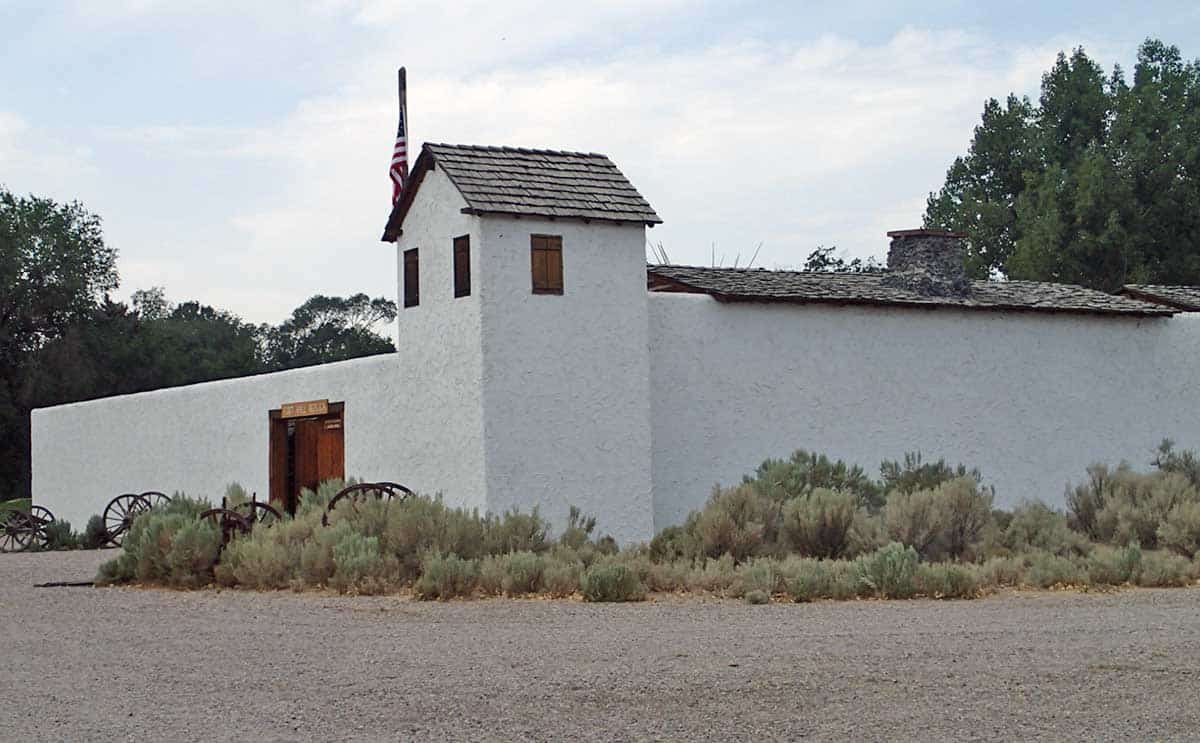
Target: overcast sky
(239,157)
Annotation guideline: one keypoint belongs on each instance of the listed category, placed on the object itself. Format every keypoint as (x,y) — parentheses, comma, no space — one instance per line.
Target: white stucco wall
(566,378)
(199,438)
(439,345)
(414,417)
(1031,399)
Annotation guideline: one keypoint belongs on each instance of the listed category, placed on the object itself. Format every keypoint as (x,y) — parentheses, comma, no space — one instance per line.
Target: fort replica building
(542,363)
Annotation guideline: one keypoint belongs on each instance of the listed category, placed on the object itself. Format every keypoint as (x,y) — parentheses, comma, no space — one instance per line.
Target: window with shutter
(546,263)
(412,280)
(462,266)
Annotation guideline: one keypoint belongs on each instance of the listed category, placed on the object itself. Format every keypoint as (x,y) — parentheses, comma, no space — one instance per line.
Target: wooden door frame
(277,449)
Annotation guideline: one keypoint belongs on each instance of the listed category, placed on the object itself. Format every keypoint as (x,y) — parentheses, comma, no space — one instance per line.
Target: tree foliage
(826,259)
(1097,184)
(325,329)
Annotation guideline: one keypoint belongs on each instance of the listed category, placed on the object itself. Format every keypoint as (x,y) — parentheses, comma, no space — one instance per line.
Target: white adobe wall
(199,438)
(1031,399)
(413,417)
(439,345)
(566,378)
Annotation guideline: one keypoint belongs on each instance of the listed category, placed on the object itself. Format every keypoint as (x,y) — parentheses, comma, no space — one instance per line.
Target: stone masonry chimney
(928,262)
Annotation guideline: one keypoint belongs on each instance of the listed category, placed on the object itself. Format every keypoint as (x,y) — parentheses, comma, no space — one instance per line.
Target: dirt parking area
(138,664)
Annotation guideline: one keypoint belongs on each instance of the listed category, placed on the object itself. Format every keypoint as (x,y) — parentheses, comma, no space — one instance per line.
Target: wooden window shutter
(546,259)
(412,279)
(462,266)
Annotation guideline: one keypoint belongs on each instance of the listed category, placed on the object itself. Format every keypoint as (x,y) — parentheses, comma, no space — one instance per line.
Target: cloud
(735,138)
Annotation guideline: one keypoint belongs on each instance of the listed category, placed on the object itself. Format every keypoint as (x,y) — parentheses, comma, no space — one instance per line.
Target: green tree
(54,269)
(1098,185)
(326,329)
(825,259)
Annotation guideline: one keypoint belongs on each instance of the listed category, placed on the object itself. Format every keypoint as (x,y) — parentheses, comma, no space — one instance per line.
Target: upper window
(546,255)
(462,266)
(412,279)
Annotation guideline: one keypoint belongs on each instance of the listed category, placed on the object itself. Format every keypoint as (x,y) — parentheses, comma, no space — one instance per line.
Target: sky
(237,152)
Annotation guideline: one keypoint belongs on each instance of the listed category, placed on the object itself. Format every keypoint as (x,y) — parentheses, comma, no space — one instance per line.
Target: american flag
(399,168)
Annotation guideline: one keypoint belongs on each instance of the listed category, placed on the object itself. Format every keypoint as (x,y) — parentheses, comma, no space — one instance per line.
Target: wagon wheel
(400,492)
(120,513)
(17,531)
(258,513)
(156,498)
(354,493)
(229,521)
(39,518)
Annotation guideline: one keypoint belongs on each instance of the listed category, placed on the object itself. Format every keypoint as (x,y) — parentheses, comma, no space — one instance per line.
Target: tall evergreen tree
(1099,184)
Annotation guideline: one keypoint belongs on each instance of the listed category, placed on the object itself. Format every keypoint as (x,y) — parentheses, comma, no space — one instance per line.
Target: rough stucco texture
(198,439)
(566,378)
(1030,399)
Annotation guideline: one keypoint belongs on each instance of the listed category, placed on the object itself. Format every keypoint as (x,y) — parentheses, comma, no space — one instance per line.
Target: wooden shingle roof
(522,182)
(761,285)
(1186,298)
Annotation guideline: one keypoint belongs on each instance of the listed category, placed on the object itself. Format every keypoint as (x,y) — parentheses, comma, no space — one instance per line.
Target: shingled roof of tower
(1185,298)
(802,287)
(535,183)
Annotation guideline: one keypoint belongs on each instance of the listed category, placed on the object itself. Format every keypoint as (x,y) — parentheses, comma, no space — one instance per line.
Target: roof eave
(1145,296)
(478,212)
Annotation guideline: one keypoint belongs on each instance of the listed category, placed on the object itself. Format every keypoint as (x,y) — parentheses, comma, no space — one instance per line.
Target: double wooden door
(304,453)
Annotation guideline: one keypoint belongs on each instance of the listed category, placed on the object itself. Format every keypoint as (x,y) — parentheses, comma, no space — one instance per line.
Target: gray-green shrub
(1119,506)
(803,472)
(609,580)
(760,575)
(819,523)
(1108,566)
(522,573)
(560,578)
(95,535)
(913,475)
(1180,530)
(945,522)
(947,580)
(1164,570)
(152,553)
(445,577)
(1036,526)
(889,572)
(735,522)
(1047,570)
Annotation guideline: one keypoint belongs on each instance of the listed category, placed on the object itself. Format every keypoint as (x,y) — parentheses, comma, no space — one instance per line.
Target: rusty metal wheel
(382,490)
(229,521)
(18,531)
(120,513)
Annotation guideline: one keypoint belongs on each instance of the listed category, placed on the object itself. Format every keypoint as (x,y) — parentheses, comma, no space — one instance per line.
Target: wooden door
(306,441)
(304,452)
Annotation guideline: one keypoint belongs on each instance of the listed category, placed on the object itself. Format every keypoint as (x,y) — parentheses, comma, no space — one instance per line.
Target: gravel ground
(140,664)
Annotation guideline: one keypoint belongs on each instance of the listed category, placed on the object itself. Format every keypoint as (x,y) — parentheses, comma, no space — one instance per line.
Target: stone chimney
(928,262)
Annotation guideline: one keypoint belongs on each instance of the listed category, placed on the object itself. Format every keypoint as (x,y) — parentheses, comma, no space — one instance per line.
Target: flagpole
(403,79)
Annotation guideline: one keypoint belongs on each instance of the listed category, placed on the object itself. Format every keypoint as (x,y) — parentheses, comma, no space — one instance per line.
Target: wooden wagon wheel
(400,491)
(156,498)
(229,521)
(382,490)
(120,513)
(17,531)
(40,518)
(259,513)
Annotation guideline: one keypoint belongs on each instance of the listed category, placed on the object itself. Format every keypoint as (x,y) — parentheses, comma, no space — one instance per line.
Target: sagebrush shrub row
(804,528)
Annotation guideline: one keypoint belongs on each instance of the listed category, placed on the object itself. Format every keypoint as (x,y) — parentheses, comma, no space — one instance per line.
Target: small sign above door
(305,409)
